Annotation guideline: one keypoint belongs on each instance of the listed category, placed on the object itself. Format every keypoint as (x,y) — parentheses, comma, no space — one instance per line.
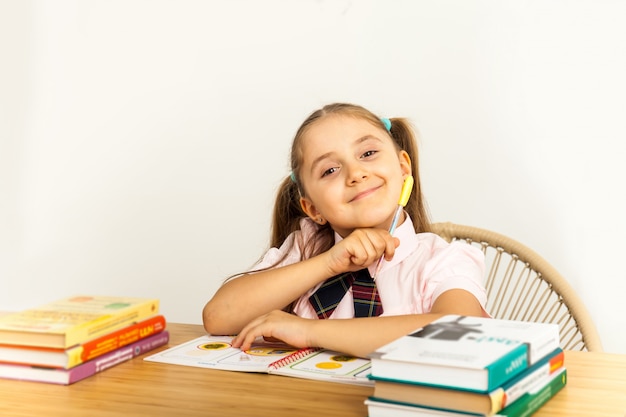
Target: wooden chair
(521,285)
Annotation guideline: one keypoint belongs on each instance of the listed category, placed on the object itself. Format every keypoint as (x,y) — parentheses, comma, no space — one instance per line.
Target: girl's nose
(355,173)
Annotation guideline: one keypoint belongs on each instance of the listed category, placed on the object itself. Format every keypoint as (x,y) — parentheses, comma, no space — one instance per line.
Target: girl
(330,228)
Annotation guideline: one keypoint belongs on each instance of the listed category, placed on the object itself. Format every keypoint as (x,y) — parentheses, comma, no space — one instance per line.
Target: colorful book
(74,320)
(87,369)
(216,352)
(68,358)
(525,406)
(488,403)
(473,353)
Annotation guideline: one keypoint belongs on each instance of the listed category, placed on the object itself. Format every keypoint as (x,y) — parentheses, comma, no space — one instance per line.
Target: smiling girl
(330,228)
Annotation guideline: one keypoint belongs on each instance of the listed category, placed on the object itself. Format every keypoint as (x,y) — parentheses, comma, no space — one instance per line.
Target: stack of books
(463,366)
(71,339)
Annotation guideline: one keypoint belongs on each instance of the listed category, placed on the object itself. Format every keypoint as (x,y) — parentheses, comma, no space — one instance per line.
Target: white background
(141,142)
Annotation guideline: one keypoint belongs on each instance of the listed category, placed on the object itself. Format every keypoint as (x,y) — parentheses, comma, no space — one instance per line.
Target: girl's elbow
(217,320)
(210,319)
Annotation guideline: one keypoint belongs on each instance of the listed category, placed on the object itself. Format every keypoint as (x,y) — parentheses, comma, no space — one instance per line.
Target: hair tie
(386,123)
(293,177)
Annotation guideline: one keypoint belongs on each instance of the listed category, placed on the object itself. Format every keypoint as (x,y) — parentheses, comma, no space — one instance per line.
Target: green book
(531,402)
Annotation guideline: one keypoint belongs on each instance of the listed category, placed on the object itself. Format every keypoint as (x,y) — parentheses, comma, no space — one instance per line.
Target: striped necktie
(364,292)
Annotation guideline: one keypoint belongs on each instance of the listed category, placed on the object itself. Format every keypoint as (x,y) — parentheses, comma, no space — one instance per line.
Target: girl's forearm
(362,336)
(244,298)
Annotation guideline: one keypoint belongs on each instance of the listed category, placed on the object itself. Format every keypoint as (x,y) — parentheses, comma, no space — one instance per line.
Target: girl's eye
(368,154)
(329,171)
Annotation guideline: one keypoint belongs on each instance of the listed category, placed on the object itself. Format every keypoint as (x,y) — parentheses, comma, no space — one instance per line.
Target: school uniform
(423,267)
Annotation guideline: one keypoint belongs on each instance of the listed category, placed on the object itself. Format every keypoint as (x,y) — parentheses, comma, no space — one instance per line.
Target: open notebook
(216,352)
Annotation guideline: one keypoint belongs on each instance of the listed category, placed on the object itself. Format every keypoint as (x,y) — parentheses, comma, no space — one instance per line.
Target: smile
(365,194)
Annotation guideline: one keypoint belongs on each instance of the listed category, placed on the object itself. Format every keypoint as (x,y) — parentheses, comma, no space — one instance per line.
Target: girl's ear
(405,163)
(309,208)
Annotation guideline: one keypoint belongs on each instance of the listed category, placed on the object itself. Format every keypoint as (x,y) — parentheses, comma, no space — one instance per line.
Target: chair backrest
(521,285)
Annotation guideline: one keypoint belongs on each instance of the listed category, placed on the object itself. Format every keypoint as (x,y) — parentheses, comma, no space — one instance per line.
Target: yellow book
(73,320)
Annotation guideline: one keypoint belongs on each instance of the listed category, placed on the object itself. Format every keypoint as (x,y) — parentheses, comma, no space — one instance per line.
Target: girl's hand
(276,325)
(360,249)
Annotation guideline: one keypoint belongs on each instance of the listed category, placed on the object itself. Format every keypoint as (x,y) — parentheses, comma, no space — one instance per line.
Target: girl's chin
(373,224)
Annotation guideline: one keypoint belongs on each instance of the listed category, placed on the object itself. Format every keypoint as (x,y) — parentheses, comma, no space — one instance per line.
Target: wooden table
(596,387)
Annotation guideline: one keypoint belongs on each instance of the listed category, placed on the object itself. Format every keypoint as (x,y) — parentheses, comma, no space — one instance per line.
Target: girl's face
(352,173)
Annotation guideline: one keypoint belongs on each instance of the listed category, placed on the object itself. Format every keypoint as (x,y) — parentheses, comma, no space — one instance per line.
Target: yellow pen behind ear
(407,187)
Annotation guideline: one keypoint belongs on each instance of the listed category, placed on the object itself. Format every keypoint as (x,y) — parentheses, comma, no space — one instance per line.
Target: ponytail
(286,219)
(287,212)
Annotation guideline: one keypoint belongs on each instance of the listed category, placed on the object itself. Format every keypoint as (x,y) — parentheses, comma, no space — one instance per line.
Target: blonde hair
(287,211)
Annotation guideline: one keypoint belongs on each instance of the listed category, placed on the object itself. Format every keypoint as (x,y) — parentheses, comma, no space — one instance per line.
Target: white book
(216,352)
(473,353)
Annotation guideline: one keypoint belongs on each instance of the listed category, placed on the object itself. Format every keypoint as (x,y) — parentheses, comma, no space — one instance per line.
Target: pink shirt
(423,267)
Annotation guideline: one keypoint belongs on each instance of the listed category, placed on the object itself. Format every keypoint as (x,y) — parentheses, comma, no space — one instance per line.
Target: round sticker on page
(204,349)
(328,365)
(336,362)
(214,346)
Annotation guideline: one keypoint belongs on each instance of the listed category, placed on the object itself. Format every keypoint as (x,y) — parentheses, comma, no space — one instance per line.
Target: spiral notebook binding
(301,353)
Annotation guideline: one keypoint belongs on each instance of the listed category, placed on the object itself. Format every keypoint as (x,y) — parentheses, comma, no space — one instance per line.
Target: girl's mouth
(364,194)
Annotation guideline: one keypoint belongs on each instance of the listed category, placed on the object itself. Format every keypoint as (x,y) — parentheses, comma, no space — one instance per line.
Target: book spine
(549,341)
(110,323)
(115,340)
(539,374)
(117,356)
(291,358)
(529,403)
(507,367)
